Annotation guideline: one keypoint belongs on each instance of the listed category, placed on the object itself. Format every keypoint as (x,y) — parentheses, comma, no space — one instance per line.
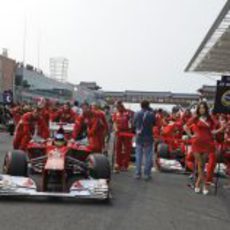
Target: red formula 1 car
(53,170)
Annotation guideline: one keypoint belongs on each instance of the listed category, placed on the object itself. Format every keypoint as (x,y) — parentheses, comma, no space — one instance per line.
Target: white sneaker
(205,191)
(197,190)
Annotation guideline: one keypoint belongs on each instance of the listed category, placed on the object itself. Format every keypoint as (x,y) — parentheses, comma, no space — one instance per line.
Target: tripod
(220,159)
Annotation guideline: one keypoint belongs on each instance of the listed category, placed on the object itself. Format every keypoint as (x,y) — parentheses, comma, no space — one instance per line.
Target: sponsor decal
(225,99)
(28,183)
(222,100)
(5,183)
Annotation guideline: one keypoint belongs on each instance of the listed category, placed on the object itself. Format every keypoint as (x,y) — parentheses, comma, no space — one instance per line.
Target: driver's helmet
(59,140)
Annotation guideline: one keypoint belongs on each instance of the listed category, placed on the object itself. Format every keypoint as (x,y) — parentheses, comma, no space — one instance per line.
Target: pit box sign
(222,100)
(7,97)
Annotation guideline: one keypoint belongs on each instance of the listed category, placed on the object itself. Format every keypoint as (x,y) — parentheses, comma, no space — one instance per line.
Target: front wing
(26,187)
(170,165)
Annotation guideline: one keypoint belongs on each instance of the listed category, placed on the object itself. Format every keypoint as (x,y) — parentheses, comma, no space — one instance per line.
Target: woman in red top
(202,141)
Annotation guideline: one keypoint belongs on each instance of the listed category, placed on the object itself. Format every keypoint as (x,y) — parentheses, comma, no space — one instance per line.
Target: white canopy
(213,55)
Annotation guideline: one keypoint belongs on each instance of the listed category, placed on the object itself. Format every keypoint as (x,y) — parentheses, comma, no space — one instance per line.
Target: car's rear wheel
(15,163)
(163,151)
(99,167)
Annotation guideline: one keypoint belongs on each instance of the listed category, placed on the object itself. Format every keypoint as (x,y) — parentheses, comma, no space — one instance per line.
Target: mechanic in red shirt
(66,114)
(30,123)
(157,133)
(226,149)
(173,131)
(223,142)
(102,116)
(123,127)
(186,116)
(16,112)
(45,112)
(91,121)
(54,111)
(162,120)
(219,121)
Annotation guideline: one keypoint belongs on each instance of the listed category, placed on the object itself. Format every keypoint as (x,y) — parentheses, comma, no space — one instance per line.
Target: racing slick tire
(163,151)
(99,167)
(15,163)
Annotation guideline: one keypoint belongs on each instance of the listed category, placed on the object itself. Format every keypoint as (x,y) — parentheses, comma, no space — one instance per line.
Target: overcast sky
(120,44)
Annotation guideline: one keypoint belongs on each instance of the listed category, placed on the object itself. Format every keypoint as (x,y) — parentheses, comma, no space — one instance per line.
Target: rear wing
(55,126)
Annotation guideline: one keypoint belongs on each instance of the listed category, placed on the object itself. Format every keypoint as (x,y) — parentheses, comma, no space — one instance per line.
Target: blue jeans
(147,151)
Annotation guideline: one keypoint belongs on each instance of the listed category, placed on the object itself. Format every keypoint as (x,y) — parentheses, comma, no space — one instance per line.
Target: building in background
(89,92)
(31,83)
(208,92)
(7,75)
(167,97)
(59,68)
(19,82)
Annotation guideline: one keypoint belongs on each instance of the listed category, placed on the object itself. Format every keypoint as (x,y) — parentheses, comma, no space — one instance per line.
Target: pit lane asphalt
(163,203)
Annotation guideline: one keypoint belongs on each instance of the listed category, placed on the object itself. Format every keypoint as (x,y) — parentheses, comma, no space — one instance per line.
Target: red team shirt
(203,142)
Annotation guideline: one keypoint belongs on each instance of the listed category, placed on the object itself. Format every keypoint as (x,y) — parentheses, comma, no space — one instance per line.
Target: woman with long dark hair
(204,129)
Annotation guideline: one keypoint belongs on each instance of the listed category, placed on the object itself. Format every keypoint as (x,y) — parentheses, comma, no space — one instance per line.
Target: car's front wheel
(15,163)
(99,167)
